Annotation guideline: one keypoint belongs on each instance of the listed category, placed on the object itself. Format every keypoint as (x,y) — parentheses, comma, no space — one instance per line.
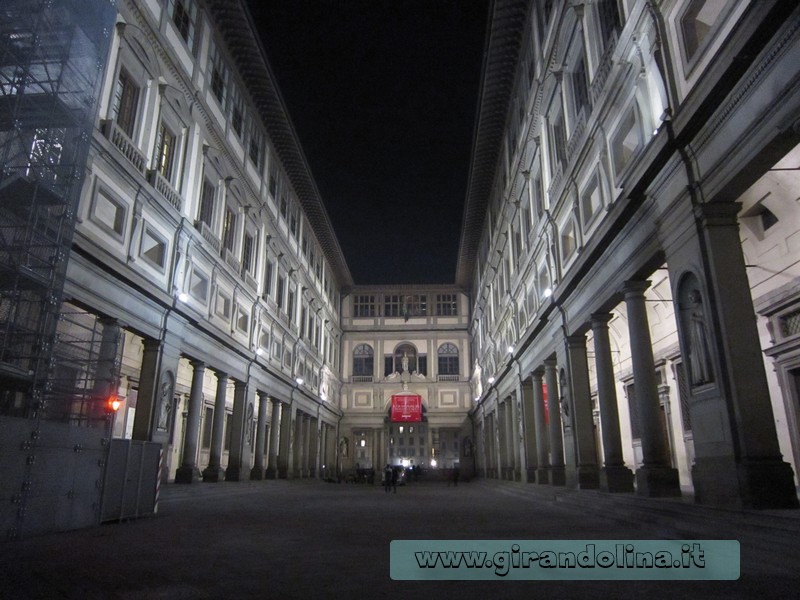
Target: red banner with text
(406,408)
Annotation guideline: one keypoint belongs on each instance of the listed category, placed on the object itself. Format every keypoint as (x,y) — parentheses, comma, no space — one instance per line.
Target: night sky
(383,96)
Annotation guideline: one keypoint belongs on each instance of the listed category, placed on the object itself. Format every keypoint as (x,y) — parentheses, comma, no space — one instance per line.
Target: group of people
(390,476)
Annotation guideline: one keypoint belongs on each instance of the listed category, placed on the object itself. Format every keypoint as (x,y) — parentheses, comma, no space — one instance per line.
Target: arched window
(405,358)
(363,360)
(448,359)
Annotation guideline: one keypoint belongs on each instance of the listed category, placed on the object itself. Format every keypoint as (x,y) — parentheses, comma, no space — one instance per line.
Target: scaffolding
(52,55)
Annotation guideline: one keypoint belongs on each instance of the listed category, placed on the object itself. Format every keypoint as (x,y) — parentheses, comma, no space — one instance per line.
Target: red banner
(406,408)
(546,406)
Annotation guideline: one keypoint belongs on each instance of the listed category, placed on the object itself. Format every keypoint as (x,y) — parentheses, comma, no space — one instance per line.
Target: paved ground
(307,539)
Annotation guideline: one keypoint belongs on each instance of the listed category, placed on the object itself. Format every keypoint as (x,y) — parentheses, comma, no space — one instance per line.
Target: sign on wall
(406,408)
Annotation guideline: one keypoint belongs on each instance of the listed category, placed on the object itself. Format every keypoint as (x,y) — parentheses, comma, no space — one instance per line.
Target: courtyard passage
(310,539)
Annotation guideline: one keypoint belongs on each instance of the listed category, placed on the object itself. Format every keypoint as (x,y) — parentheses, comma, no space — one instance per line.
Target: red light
(114,403)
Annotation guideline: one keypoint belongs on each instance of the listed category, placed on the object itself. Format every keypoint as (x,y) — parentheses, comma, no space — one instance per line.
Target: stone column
(614,476)
(185,473)
(285,458)
(557,470)
(148,383)
(517,437)
(656,477)
(310,428)
(239,457)
(542,438)
(275,428)
(532,457)
(257,472)
(588,476)
(300,445)
(497,447)
(107,373)
(213,472)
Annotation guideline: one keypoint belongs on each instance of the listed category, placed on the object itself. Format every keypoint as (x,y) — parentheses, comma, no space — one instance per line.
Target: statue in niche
(343,447)
(165,402)
(699,355)
(477,384)
(248,420)
(404,362)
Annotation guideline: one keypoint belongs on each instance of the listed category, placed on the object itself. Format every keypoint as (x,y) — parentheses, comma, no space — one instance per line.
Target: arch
(363,360)
(448,359)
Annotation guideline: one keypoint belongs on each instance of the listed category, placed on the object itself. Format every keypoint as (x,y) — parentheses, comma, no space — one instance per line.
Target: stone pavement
(308,539)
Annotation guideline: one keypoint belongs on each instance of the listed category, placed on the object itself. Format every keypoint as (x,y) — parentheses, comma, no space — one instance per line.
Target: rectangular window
(364,306)
(293,221)
(568,244)
(416,306)
(165,152)
(126,103)
(184,15)
(448,365)
(580,85)
(280,291)
(446,305)
(256,145)
(392,305)
(236,110)
(242,319)
(154,248)
(591,201)
(609,19)
(290,305)
(626,141)
(229,229)
(206,212)
(284,206)
(198,285)
(208,422)
(248,252)
(558,143)
(223,308)
(268,279)
(109,213)
(219,73)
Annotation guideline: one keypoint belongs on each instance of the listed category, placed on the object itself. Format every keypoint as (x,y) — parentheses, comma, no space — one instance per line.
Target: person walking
(387,477)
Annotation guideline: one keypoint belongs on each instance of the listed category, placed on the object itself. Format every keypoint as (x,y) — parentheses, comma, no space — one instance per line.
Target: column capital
(577,340)
(198,365)
(550,363)
(275,401)
(262,395)
(538,373)
(718,213)
(239,384)
(221,375)
(634,288)
(601,320)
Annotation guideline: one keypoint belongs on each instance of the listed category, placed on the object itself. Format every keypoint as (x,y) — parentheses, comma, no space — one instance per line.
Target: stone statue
(165,402)
(477,384)
(405,362)
(699,356)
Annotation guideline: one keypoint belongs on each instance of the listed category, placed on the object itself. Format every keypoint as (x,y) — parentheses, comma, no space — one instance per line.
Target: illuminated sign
(406,408)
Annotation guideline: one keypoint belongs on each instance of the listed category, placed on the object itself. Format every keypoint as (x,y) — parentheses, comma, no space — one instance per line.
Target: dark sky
(383,94)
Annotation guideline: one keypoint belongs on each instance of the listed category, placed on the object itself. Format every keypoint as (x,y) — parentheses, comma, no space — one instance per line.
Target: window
(198,285)
(362,360)
(698,22)
(153,249)
(268,278)
(290,304)
(591,201)
(448,359)
(558,142)
(608,14)
(293,221)
(165,152)
(109,213)
(273,178)
(219,74)
(206,212)
(256,145)
(280,291)
(568,243)
(446,305)
(229,229)
(242,319)
(626,141)
(248,252)
(236,110)
(416,305)
(580,85)
(223,308)
(184,15)
(364,306)
(284,206)
(126,103)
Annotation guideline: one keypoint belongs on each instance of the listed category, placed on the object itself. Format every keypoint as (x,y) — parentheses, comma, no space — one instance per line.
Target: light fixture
(259,351)
(433,463)
(183,297)
(548,292)
(490,380)
(299,381)
(511,349)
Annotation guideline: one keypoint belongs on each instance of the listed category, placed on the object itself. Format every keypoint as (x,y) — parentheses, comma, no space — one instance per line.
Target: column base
(657,482)
(754,484)
(256,474)
(616,480)
(531,475)
(557,476)
(272,473)
(213,474)
(233,473)
(587,478)
(542,476)
(184,475)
